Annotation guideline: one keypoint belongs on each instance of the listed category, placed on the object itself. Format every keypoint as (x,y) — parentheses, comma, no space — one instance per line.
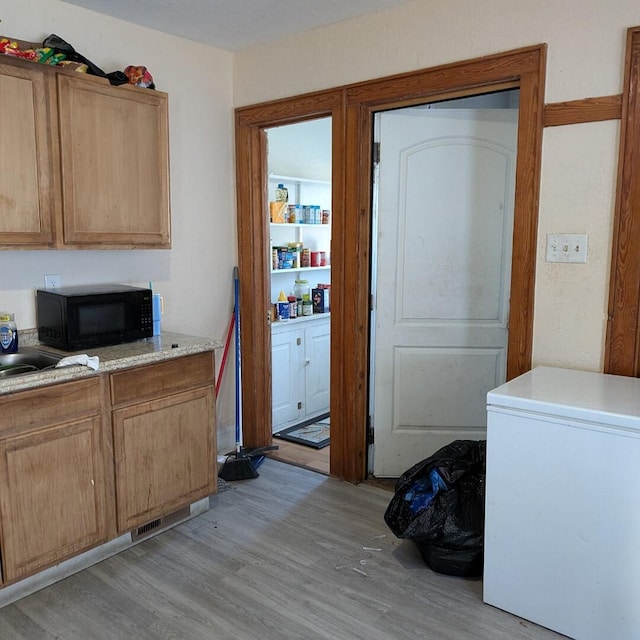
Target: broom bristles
(238,468)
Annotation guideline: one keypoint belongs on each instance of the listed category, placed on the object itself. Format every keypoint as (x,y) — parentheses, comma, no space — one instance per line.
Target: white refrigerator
(562,521)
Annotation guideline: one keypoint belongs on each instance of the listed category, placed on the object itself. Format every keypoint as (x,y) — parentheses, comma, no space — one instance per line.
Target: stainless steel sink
(26,360)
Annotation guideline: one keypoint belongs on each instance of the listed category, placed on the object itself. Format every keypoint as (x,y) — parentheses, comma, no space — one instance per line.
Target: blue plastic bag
(421,494)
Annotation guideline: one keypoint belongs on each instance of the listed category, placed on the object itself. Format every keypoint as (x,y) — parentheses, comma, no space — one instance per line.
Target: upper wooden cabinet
(84,164)
(115,163)
(29,190)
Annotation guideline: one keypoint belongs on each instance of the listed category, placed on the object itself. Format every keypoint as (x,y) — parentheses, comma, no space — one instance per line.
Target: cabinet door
(164,454)
(317,367)
(29,182)
(287,378)
(115,170)
(51,502)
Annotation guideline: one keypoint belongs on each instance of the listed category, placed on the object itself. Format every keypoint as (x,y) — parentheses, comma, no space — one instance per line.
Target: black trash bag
(439,504)
(62,46)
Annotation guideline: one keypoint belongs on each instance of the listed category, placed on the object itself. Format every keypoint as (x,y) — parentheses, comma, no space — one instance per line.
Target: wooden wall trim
(458,78)
(253,286)
(296,109)
(526,206)
(579,111)
(342,450)
(623,328)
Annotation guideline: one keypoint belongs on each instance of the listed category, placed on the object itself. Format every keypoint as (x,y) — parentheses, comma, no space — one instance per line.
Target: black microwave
(74,318)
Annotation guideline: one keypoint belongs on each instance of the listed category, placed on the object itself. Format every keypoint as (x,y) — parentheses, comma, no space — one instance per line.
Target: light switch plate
(566,247)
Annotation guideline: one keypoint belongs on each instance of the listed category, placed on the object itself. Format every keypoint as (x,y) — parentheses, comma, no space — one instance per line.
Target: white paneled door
(443,194)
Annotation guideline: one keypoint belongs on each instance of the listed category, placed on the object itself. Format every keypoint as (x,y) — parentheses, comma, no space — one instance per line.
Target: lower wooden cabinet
(52,476)
(164,437)
(86,460)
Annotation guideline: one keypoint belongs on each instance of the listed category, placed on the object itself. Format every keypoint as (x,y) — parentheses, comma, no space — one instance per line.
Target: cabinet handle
(306,361)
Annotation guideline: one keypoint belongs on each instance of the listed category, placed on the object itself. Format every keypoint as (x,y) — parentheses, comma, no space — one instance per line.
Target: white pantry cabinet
(300,359)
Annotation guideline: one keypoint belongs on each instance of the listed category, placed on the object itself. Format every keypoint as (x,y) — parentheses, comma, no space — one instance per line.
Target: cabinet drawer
(162,379)
(26,410)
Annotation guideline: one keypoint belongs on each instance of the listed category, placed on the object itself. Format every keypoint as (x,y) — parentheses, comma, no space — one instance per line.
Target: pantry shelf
(299,225)
(294,270)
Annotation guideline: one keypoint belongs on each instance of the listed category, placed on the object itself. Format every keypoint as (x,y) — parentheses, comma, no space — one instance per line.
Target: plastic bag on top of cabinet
(62,46)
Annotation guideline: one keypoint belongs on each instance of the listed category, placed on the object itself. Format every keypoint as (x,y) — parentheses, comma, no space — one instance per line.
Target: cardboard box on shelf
(278,212)
(320,298)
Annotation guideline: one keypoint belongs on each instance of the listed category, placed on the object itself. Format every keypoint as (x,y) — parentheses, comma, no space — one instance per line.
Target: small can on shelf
(293,307)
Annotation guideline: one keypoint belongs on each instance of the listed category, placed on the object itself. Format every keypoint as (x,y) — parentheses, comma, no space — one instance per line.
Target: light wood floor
(292,554)
(298,454)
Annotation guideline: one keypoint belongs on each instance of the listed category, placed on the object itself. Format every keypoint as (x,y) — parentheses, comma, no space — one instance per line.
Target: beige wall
(586,40)
(195,276)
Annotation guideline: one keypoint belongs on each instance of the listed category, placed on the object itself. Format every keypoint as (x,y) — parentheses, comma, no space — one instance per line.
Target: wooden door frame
(253,241)
(352,109)
(622,348)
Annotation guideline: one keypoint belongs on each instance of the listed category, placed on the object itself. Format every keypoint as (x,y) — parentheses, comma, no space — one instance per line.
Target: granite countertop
(122,356)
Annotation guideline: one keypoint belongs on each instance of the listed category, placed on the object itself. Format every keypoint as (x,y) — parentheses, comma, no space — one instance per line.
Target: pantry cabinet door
(287,377)
(29,178)
(115,164)
(317,368)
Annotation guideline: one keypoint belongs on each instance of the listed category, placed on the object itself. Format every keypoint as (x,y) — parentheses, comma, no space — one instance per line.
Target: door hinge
(299,405)
(375,152)
(298,341)
(370,432)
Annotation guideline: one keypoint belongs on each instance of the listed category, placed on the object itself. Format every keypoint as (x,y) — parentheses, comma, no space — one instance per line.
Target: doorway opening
(443,214)
(299,173)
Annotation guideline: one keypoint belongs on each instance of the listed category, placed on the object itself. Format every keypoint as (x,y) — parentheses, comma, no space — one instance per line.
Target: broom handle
(225,352)
(236,292)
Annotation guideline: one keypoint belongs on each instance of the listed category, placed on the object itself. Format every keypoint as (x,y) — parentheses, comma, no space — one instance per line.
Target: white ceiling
(235,24)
